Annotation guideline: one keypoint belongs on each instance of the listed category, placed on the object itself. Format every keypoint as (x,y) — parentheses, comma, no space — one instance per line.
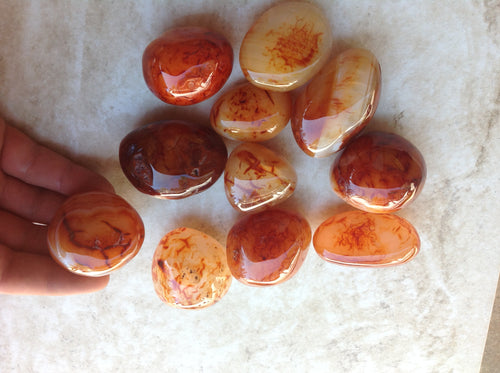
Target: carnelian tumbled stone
(187,65)
(338,103)
(190,269)
(172,159)
(379,172)
(268,247)
(255,177)
(360,238)
(248,113)
(286,46)
(95,233)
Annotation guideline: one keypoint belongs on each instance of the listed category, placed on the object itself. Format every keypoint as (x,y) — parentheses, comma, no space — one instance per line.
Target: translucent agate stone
(190,269)
(338,103)
(360,238)
(286,46)
(378,172)
(256,178)
(187,65)
(248,113)
(172,159)
(268,247)
(95,233)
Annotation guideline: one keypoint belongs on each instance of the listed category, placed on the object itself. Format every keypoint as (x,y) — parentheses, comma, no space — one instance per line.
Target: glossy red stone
(268,247)
(187,65)
(379,172)
(364,239)
(172,159)
(95,233)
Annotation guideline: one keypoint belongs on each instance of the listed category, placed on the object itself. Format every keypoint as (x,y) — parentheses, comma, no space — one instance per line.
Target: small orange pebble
(95,233)
(190,269)
(268,247)
(359,238)
(255,178)
(187,65)
(248,113)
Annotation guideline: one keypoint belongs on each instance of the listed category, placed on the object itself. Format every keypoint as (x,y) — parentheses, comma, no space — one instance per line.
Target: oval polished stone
(379,172)
(95,233)
(187,65)
(248,113)
(360,238)
(338,103)
(286,46)
(256,177)
(190,269)
(268,247)
(172,159)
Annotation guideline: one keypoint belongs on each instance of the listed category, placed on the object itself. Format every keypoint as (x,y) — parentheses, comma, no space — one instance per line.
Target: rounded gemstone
(95,233)
(268,247)
(190,269)
(256,178)
(338,103)
(360,238)
(286,46)
(248,113)
(187,65)
(172,159)
(378,172)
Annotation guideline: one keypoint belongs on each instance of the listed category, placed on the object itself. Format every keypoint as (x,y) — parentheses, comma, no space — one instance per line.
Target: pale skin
(34,182)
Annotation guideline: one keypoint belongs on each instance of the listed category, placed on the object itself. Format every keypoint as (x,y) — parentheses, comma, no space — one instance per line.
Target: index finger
(23,158)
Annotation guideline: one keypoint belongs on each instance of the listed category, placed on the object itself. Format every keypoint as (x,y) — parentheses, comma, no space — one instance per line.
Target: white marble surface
(70,76)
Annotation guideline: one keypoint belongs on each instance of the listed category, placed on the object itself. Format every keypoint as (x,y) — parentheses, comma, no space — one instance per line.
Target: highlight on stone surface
(378,172)
(268,247)
(248,113)
(190,269)
(338,103)
(286,46)
(95,233)
(360,238)
(172,159)
(255,178)
(187,65)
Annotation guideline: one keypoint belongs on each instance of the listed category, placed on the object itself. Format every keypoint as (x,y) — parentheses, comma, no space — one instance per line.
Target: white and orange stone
(190,269)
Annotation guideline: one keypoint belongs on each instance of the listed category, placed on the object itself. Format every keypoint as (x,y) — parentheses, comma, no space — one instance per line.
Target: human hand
(34,182)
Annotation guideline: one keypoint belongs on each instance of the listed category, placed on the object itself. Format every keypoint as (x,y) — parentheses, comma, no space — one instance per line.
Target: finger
(32,203)
(32,274)
(35,164)
(22,235)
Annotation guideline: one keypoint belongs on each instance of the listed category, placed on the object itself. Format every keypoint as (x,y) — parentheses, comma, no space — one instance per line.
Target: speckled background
(70,76)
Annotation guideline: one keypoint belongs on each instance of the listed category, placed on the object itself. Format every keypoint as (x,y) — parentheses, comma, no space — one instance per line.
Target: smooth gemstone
(268,247)
(190,269)
(338,103)
(187,65)
(360,238)
(286,46)
(256,178)
(378,172)
(248,113)
(95,233)
(172,159)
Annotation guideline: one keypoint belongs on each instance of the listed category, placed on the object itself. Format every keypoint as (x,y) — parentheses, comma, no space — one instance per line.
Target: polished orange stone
(248,113)
(172,159)
(268,247)
(286,46)
(187,65)
(190,269)
(338,103)
(379,172)
(360,238)
(255,178)
(95,233)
